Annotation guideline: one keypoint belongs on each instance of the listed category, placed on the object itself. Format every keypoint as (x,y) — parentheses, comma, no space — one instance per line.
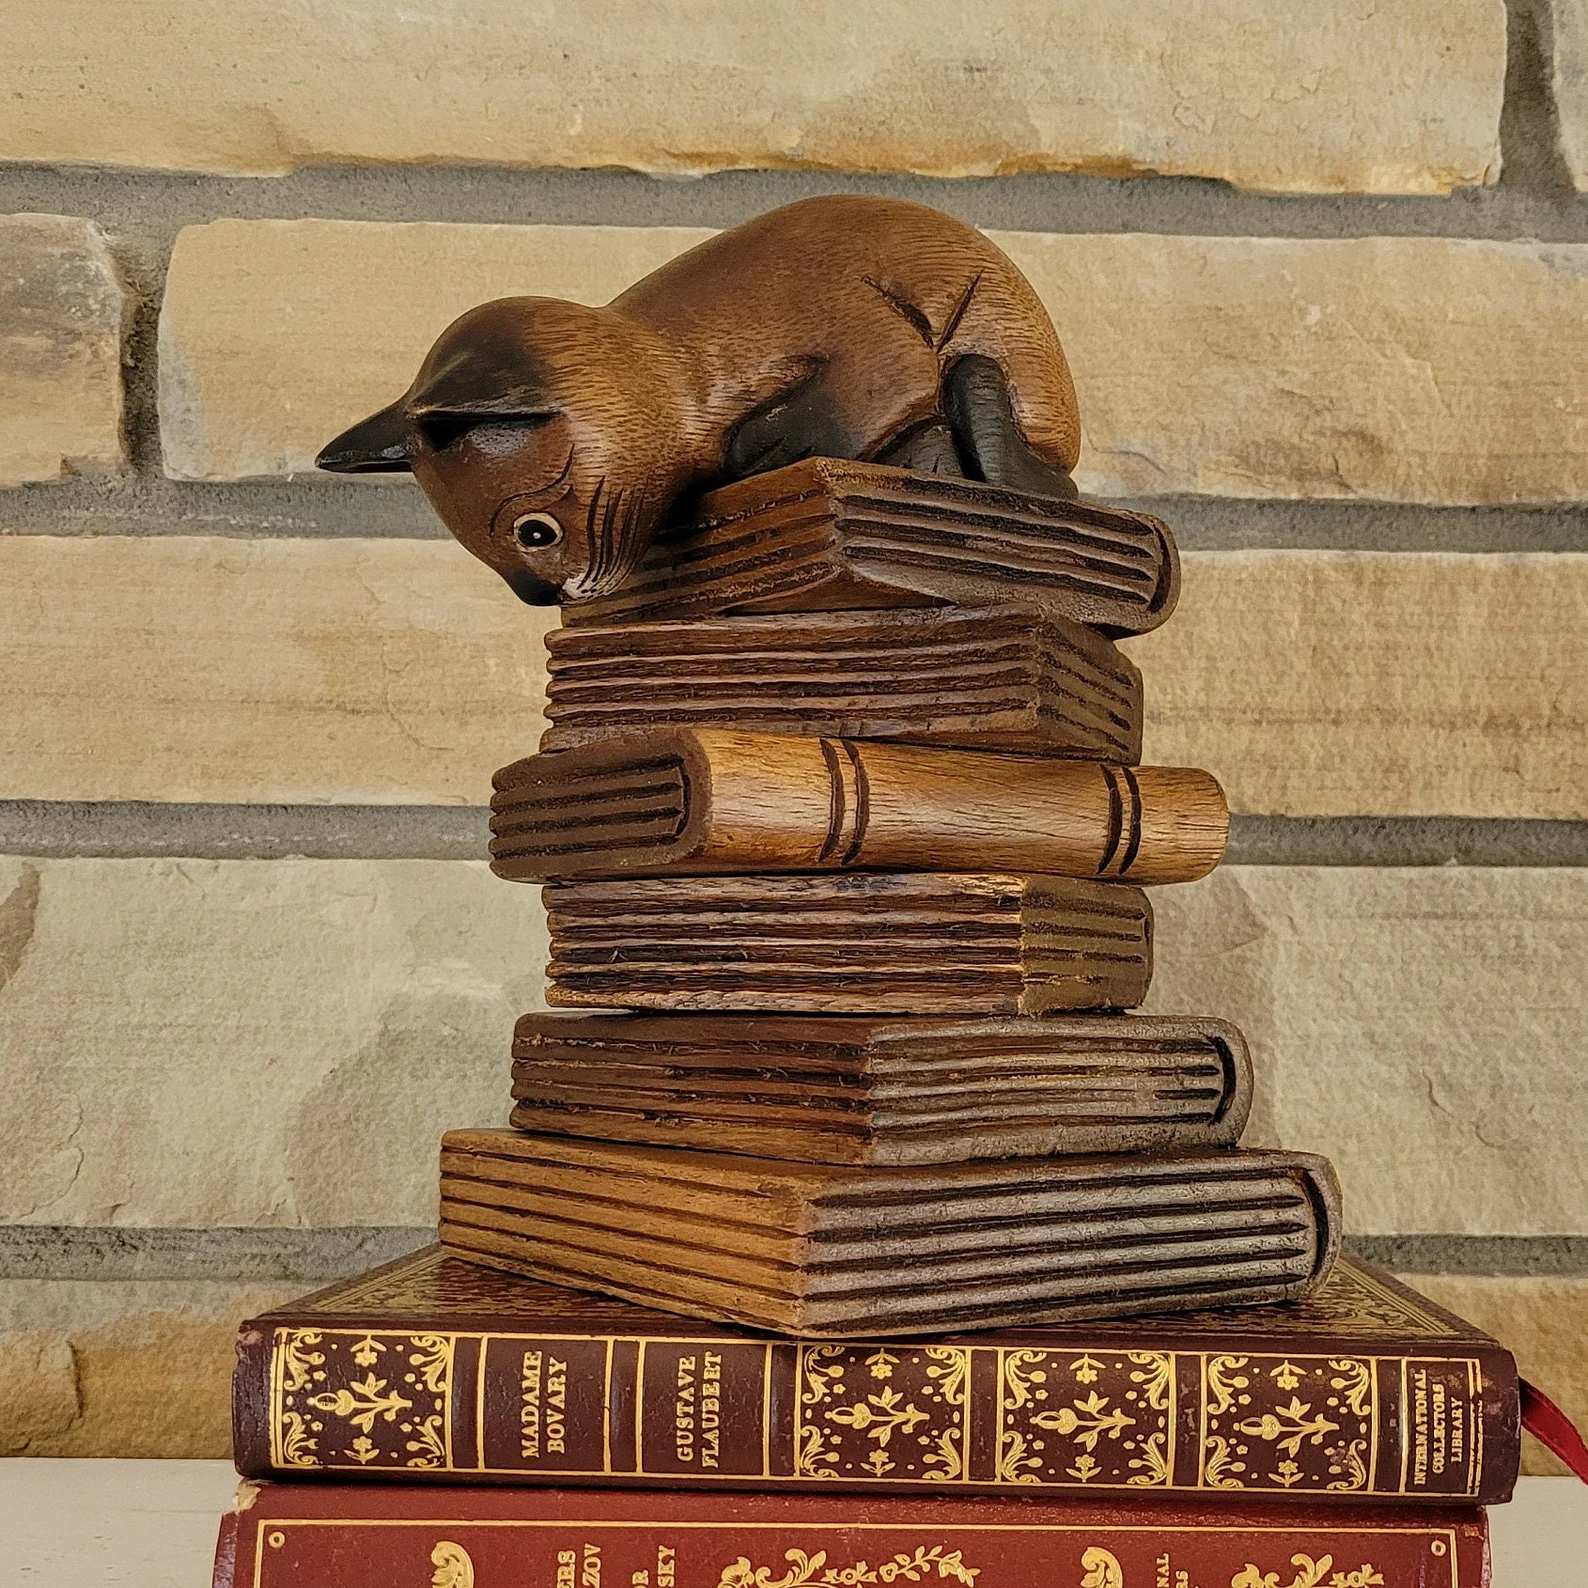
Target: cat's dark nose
(532,590)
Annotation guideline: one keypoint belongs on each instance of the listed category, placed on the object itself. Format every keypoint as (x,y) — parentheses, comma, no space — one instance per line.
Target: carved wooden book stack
(841,801)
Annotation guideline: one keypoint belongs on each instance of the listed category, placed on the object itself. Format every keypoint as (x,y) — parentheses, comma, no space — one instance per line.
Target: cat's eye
(536,531)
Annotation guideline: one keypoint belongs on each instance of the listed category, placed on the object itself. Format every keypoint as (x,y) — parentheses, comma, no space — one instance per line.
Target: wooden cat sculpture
(553,439)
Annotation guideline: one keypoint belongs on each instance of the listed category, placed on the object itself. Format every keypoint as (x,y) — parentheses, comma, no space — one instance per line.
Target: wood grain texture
(828,1251)
(707,801)
(906,943)
(825,535)
(1001,678)
(895,1091)
(554,439)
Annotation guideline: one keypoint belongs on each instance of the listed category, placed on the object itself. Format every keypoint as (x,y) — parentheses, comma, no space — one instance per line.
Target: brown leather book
(518,1382)
(983,943)
(833,1251)
(825,535)
(349,1536)
(712,801)
(991,678)
(831,1089)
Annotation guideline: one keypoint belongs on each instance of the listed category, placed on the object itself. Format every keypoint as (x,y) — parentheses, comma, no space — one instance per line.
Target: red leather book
(347,1536)
(431,1369)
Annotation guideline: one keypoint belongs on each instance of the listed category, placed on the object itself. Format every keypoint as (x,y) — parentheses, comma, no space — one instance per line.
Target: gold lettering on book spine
(357,1398)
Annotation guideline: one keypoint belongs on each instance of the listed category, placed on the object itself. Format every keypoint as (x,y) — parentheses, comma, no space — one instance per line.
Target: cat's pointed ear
(377,445)
(484,379)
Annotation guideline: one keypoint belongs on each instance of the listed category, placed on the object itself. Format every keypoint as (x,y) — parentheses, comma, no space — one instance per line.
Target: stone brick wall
(1323,276)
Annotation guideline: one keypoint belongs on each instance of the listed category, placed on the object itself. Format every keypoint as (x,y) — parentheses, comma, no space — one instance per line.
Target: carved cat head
(548,436)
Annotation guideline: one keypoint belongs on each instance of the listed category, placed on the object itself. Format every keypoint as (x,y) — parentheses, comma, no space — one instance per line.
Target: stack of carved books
(843,833)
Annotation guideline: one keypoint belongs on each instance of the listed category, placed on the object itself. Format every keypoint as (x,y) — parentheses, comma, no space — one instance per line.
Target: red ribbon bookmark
(1553,1429)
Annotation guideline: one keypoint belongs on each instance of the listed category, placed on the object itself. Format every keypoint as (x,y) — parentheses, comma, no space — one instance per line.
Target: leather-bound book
(354,1536)
(510,1381)
(837,1250)
(834,1089)
(869,943)
(825,534)
(710,801)
(993,678)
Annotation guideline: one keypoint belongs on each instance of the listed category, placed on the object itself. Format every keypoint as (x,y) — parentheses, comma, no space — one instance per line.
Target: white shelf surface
(151,1524)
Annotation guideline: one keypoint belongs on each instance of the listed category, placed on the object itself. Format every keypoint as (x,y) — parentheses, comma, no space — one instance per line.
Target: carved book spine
(508,1381)
(833,1250)
(824,534)
(907,943)
(829,1089)
(997,678)
(347,1536)
(712,802)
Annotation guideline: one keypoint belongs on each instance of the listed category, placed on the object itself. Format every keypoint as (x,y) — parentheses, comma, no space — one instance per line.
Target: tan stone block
(63,312)
(336,316)
(1312,683)
(1569,80)
(1352,683)
(38,1390)
(127,1368)
(1399,369)
(1424,1028)
(281,1043)
(1330,98)
(1392,369)
(200,1043)
(1544,1322)
(192,668)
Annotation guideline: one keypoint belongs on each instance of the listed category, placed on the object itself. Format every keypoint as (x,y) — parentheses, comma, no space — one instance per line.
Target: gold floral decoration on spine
(297,1360)
(1155,1375)
(1354,1381)
(453,1568)
(1310,1573)
(361,1403)
(1152,1463)
(1220,1468)
(945,1461)
(1224,1379)
(296,1446)
(1015,1465)
(1021,1370)
(1102,1569)
(824,1374)
(1350,1467)
(427,1448)
(812,1456)
(812,1569)
(432,1356)
(950,1374)
(295,1365)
